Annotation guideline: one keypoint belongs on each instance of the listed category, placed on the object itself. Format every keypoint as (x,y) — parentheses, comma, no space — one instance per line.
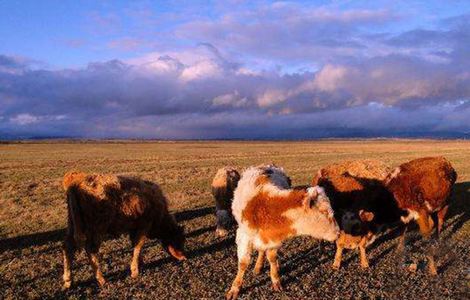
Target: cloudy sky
(234,69)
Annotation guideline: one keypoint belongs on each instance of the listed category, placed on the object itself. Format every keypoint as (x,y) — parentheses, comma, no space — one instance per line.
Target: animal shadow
(187,215)
(52,236)
(29,240)
(459,206)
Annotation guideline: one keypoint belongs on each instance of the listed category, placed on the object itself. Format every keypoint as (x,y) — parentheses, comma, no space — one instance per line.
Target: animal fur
(268,212)
(100,205)
(423,188)
(223,185)
(361,203)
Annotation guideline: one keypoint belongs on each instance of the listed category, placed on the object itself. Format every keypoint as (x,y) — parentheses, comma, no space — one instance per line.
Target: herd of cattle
(349,202)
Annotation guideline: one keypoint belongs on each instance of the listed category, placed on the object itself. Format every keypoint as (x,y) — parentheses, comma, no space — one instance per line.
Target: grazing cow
(423,187)
(106,204)
(269,212)
(362,205)
(223,186)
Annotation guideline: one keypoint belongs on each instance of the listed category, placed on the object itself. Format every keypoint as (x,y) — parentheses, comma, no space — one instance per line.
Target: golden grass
(32,199)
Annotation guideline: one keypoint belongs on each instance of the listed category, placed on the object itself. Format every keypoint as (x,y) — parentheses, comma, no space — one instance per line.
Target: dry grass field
(33,215)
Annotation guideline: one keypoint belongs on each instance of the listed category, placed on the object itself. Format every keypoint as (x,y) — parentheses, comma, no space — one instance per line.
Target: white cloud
(231,99)
(201,70)
(24,119)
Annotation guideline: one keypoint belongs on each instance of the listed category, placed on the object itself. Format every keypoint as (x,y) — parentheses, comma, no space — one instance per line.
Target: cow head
(171,235)
(317,209)
(174,243)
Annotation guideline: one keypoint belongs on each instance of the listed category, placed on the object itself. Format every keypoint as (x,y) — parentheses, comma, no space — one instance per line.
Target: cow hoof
(257,271)
(67,285)
(432,271)
(232,294)
(101,281)
(335,267)
(134,274)
(277,286)
(365,266)
(221,232)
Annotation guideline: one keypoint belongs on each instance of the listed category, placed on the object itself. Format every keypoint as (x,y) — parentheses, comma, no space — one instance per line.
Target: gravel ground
(31,267)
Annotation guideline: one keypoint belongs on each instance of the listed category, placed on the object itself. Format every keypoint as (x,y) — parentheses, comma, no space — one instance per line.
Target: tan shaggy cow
(269,212)
(99,205)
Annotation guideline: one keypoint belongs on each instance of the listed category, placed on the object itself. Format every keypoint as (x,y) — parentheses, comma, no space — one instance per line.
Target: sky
(234,69)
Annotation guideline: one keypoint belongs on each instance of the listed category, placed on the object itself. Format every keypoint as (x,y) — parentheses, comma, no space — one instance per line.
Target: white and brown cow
(269,212)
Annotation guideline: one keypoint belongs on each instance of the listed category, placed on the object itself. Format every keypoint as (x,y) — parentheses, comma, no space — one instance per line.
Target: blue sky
(234,69)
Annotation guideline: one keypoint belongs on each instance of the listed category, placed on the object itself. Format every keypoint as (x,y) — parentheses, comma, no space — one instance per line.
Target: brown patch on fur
(220,180)
(132,206)
(72,177)
(368,168)
(265,213)
(263,179)
(428,179)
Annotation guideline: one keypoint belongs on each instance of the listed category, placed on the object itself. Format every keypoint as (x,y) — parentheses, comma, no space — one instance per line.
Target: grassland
(32,218)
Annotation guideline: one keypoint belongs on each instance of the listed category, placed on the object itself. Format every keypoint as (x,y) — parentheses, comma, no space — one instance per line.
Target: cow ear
(311,196)
(366,216)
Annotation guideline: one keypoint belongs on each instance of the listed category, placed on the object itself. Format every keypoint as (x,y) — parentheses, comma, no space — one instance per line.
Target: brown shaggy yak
(423,187)
(99,205)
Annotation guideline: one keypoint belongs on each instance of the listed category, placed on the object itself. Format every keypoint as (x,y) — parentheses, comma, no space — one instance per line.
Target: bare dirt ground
(33,215)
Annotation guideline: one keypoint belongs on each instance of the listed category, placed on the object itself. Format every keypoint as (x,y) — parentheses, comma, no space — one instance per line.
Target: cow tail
(75,219)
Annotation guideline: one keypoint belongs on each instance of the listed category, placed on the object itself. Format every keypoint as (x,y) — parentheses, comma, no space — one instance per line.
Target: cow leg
(92,252)
(224,220)
(401,239)
(138,243)
(338,255)
(259,262)
(274,269)
(68,252)
(244,248)
(425,223)
(425,227)
(363,254)
(441,214)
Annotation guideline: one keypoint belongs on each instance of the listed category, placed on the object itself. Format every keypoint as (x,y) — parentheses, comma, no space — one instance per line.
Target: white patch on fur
(245,191)
(428,206)
(372,239)
(244,245)
(392,175)
(412,215)
(395,172)
(247,188)
(318,221)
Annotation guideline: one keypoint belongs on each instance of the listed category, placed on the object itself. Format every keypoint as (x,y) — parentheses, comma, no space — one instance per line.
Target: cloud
(278,71)
(24,119)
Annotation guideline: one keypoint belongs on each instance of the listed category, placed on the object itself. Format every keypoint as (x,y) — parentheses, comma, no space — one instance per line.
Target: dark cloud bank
(412,84)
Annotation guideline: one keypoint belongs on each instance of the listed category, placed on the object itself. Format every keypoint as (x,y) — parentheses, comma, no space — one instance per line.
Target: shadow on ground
(42,238)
